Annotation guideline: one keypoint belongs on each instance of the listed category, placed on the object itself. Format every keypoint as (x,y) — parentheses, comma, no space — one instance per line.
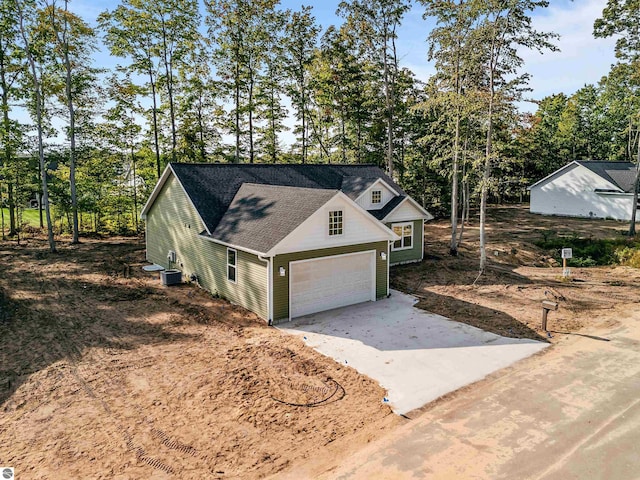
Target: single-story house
(588,189)
(284,240)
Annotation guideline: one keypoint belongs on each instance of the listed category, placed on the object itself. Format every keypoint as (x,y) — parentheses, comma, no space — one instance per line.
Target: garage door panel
(331,282)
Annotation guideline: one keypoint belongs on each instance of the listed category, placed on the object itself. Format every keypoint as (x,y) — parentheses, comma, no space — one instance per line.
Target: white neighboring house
(588,189)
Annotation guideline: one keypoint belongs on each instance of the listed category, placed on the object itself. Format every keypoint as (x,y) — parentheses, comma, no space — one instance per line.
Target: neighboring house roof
(620,175)
(260,216)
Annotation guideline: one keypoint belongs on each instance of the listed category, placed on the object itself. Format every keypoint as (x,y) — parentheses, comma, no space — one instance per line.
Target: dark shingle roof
(260,216)
(212,187)
(388,208)
(354,186)
(621,174)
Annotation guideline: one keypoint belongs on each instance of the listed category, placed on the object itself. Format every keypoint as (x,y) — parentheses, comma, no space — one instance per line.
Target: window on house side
(405,232)
(232,257)
(335,222)
(376,196)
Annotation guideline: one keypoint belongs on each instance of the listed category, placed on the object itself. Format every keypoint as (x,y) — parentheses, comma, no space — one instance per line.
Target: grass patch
(30,217)
(591,252)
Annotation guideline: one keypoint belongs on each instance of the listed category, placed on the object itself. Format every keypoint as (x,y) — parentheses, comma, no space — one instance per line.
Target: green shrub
(590,252)
(629,256)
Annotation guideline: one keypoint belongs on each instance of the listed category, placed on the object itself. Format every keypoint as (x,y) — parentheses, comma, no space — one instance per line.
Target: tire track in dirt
(73,356)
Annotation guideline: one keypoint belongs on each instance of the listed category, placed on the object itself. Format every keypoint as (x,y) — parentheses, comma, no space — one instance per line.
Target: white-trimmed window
(405,232)
(335,222)
(376,196)
(232,265)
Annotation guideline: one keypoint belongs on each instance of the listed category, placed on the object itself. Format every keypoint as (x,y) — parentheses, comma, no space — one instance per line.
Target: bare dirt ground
(104,373)
(507,299)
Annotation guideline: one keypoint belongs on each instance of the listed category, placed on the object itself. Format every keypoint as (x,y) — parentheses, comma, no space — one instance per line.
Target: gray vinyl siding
(281,284)
(413,254)
(173,224)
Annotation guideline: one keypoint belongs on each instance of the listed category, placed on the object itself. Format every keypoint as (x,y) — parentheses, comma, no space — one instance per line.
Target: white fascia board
(379,180)
(235,247)
(552,174)
(575,162)
(427,216)
(373,220)
(156,191)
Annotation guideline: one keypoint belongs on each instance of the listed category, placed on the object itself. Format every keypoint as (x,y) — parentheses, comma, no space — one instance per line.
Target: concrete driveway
(415,355)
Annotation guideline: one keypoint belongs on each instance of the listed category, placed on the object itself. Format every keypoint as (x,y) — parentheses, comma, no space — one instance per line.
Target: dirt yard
(507,299)
(104,373)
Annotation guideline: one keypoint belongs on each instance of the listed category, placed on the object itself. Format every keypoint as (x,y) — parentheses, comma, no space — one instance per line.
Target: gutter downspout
(269,289)
(422,243)
(388,265)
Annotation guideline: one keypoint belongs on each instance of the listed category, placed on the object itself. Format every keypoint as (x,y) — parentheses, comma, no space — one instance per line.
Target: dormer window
(376,196)
(335,222)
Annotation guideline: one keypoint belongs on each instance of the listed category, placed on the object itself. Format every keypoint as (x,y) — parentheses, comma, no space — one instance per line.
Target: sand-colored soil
(507,298)
(104,373)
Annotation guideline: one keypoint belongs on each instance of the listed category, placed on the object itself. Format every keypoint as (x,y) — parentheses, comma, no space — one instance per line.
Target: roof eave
(231,245)
(553,173)
(426,215)
(388,232)
(378,180)
(156,191)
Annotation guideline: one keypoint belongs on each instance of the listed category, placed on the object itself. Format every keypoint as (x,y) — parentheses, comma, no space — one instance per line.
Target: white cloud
(582,59)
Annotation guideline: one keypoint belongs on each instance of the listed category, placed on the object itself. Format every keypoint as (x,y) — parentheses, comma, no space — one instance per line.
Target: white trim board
(156,191)
(561,170)
(370,187)
(424,214)
(353,209)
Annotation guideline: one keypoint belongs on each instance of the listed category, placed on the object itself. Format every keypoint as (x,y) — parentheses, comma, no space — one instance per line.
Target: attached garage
(331,282)
(284,241)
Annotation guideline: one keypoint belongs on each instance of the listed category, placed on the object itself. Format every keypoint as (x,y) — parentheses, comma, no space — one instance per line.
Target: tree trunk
(40,205)
(7,138)
(453,246)
(274,135)
(237,102)
(303,105)
(12,209)
(251,149)
(388,114)
(135,188)
(203,150)
(343,133)
(155,122)
(486,176)
(2,213)
(634,203)
(38,100)
(168,68)
(72,131)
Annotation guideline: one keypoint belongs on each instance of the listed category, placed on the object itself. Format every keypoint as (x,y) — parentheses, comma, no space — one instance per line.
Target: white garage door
(331,282)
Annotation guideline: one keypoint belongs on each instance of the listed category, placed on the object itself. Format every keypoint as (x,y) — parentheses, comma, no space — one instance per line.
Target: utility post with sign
(567,253)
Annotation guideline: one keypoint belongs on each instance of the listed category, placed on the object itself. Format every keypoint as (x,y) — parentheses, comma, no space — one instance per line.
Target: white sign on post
(567,253)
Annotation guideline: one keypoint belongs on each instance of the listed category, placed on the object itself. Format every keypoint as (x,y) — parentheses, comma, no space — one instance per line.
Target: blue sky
(581,59)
